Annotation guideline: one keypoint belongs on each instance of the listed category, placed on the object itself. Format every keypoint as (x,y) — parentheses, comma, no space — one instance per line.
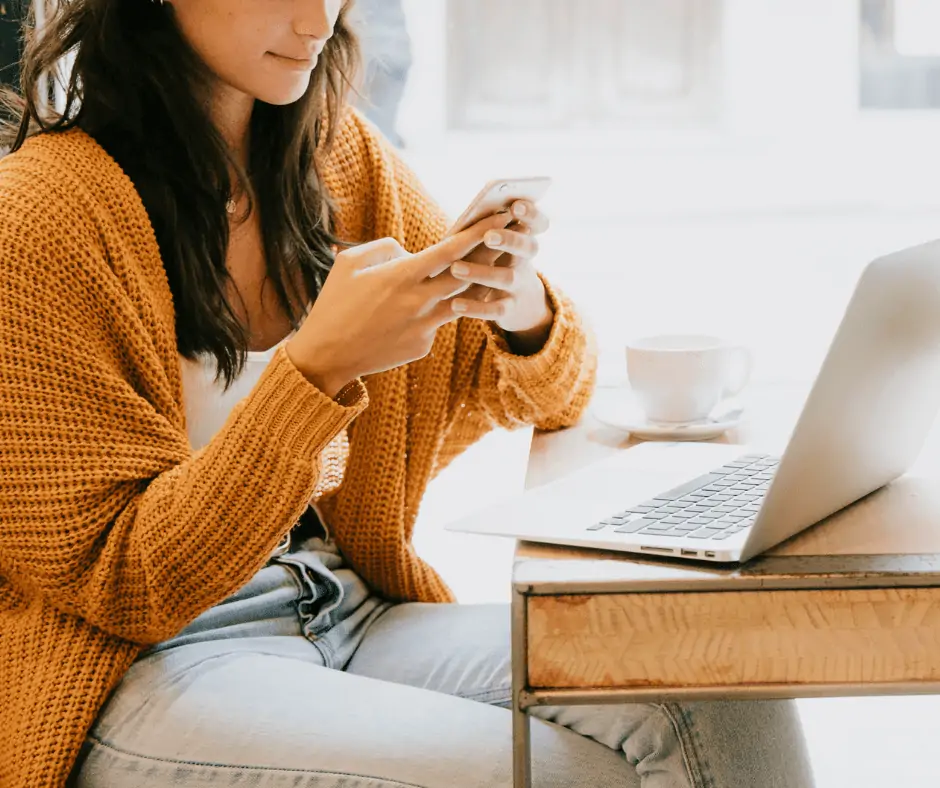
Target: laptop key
(682,517)
(690,486)
(656,529)
(634,525)
(704,533)
(657,532)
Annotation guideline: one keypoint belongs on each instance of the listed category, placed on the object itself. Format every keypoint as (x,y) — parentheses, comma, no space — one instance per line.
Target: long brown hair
(135,88)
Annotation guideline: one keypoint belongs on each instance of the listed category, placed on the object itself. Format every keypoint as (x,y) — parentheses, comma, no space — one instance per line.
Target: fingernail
(520,209)
(460,306)
(460,269)
(492,238)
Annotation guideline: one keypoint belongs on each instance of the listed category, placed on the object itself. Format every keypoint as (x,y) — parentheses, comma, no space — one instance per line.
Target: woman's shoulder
(358,155)
(59,196)
(347,160)
(61,185)
(349,166)
(58,171)
(364,174)
(354,137)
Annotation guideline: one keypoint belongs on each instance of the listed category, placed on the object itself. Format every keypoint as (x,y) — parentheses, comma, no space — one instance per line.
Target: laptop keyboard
(713,506)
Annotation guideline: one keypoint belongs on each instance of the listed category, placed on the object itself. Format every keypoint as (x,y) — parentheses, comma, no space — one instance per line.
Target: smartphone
(500,194)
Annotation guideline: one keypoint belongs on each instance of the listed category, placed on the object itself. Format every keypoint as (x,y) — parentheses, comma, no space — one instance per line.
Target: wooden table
(848,607)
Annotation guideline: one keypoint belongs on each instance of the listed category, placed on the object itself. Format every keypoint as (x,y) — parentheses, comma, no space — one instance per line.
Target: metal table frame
(767,573)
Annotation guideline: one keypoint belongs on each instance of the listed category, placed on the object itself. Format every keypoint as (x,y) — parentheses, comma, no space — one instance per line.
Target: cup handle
(743,367)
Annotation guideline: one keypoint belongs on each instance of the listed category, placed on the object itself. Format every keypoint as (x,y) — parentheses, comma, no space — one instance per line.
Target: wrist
(327,377)
(531,340)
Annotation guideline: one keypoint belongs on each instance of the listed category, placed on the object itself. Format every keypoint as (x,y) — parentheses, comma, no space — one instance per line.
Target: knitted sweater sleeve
(105,512)
(489,384)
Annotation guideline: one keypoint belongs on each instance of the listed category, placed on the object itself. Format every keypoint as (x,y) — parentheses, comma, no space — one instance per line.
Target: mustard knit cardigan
(114,534)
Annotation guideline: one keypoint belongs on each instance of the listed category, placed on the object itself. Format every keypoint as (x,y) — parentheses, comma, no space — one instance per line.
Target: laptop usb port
(690,552)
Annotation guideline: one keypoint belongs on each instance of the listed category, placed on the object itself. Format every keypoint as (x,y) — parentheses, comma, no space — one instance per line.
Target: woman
(173,610)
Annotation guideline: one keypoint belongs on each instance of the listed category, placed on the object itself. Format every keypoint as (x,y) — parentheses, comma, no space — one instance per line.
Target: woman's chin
(285,93)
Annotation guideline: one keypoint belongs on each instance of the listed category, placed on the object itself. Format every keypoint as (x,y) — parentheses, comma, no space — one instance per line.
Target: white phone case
(500,194)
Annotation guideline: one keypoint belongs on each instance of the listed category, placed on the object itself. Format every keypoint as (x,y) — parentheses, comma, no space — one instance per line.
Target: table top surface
(891,537)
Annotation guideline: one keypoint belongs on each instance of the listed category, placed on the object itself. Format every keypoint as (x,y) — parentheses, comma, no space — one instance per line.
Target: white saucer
(617,410)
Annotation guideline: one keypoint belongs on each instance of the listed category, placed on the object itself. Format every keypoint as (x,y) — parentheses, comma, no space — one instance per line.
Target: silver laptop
(862,425)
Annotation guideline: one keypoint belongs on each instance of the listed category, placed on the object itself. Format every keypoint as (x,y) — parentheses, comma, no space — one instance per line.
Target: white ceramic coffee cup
(681,378)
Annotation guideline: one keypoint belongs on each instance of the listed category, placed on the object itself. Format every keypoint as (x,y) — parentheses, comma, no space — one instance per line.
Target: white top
(208,406)
(206,402)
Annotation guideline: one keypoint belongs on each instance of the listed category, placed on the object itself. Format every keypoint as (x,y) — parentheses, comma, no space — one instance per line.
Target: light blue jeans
(304,678)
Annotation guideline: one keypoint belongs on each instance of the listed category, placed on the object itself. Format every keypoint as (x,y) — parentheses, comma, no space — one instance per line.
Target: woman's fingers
(497,236)
(437,258)
(481,310)
(478,293)
(474,280)
(483,255)
(454,308)
(498,277)
(442,287)
(529,214)
(517,243)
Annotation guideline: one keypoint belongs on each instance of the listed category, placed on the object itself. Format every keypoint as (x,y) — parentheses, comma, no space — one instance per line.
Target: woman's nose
(316,18)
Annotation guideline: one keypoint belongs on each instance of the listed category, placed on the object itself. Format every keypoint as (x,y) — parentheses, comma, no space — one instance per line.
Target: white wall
(789,135)
(790,66)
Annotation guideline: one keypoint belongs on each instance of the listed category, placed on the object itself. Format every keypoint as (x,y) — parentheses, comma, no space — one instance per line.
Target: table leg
(521,725)
(521,749)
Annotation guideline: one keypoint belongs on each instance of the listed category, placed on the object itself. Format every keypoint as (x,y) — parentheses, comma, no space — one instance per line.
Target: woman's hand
(506,288)
(379,309)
